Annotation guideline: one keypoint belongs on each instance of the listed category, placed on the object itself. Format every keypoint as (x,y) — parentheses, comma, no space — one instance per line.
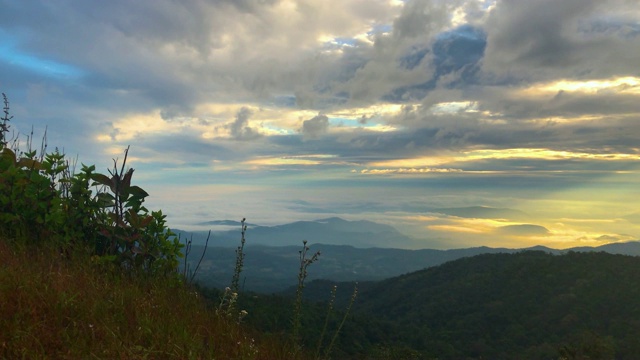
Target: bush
(43,201)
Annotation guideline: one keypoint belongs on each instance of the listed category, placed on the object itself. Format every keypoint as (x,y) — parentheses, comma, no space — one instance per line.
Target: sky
(392,111)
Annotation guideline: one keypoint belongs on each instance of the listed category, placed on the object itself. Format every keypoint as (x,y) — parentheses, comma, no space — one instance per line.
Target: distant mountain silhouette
(335,231)
(275,268)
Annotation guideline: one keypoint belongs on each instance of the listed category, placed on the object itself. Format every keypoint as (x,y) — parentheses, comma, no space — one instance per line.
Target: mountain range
(275,268)
(331,231)
(471,303)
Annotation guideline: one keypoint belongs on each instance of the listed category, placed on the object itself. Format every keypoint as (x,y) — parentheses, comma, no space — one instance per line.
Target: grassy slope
(54,307)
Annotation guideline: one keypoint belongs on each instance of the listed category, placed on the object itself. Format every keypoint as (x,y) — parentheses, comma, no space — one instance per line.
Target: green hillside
(525,305)
(528,305)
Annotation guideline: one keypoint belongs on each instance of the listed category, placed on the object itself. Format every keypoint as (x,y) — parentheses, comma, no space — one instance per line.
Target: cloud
(610,238)
(634,217)
(482,212)
(523,230)
(315,127)
(408,171)
(573,38)
(240,129)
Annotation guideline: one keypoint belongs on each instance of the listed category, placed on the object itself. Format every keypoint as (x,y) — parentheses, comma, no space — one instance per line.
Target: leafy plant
(133,237)
(28,200)
(42,201)
(4,126)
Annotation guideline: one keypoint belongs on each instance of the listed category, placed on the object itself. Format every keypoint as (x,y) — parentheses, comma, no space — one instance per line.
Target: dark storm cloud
(572,38)
(616,135)
(315,127)
(564,104)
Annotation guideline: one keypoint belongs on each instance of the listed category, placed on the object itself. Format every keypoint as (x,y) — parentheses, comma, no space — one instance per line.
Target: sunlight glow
(501,154)
(451,163)
(458,17)
(408,171)
(376,110)
(546,154)
(419,162)
(626,84)
(313,159)
(454,107)
(133,126)
(455,229)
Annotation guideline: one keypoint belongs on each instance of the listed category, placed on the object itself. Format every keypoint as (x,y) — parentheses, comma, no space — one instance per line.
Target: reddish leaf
(29,164)
(146,221)
(126,181)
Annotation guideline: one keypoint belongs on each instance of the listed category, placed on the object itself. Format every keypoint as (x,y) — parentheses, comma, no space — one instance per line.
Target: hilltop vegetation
(526,305)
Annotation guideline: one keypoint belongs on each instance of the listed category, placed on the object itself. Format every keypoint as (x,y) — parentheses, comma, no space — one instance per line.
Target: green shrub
(42,201)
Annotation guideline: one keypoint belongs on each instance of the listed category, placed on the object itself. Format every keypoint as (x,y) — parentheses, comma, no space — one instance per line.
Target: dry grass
(68,308)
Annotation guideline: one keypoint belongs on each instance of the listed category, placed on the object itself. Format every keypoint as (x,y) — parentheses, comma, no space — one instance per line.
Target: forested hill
(528,305)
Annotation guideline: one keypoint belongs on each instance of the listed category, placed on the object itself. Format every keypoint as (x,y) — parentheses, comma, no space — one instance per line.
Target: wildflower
(241,315)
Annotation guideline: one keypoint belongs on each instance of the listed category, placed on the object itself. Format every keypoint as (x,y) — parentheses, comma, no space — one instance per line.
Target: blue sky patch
(10,55)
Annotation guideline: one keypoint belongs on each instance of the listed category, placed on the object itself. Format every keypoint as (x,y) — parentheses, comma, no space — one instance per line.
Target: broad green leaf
(101,179)
(138,192)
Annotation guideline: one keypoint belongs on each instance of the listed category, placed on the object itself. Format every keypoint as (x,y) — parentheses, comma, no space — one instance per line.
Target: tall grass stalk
(189,275)
(235,281)
(302,275)
(344,318)
(332,299)
(229,298)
